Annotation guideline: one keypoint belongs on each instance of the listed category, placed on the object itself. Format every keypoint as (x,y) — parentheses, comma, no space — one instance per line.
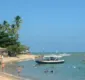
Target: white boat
(49,59)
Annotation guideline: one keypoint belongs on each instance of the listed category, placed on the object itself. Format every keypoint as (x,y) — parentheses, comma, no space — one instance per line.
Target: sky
(48,25)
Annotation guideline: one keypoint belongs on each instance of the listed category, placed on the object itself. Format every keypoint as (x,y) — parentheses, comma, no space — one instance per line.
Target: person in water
(51,71)
(45,71)
(19,69)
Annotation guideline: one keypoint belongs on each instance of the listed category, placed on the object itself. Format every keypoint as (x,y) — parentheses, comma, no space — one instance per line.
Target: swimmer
(51,71)
(19,69)
(45,71)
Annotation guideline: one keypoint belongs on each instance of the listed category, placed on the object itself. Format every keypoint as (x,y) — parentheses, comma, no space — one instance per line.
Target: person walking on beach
(2,66)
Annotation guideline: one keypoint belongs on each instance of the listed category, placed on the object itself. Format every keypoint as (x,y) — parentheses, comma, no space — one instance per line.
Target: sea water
(72,69)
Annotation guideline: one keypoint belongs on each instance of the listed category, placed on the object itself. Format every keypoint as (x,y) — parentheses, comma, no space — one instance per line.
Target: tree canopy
(9,36)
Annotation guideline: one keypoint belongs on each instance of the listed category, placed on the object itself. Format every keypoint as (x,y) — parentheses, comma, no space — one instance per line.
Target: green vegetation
(9,36)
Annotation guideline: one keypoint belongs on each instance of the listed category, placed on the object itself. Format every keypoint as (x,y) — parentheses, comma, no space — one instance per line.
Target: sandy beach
(6,76)
(22,57)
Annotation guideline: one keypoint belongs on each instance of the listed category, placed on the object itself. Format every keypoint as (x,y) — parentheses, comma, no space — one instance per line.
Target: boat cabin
(51,57)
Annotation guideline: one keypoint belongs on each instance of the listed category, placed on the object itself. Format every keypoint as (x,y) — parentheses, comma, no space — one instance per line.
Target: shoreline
(22,57)
(7,76)
(19,58)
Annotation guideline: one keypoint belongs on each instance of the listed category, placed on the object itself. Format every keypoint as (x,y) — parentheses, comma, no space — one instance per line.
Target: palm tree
(0,27)
(5,26)
(18,21)
(13,29)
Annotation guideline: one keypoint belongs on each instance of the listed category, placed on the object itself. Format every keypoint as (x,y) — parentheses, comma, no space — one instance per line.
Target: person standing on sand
(2,66)
(2,63)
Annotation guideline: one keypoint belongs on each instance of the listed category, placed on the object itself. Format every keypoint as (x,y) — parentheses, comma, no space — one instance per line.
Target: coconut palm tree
(17,25)
(18,21)
(6,25)
(0,27)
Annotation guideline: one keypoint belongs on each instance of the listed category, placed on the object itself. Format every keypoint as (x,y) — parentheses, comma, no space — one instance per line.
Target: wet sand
(6,76)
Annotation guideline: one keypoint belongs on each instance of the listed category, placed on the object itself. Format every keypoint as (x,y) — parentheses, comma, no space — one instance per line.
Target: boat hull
(50,62)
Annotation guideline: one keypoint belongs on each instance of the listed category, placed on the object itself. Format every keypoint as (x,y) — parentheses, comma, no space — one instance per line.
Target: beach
(21,57)
(72,69)
(6,75)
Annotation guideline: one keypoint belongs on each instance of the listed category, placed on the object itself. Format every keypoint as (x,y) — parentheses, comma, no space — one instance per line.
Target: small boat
(49,59)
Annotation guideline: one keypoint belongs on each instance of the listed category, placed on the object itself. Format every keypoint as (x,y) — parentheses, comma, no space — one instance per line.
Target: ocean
(72,69)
